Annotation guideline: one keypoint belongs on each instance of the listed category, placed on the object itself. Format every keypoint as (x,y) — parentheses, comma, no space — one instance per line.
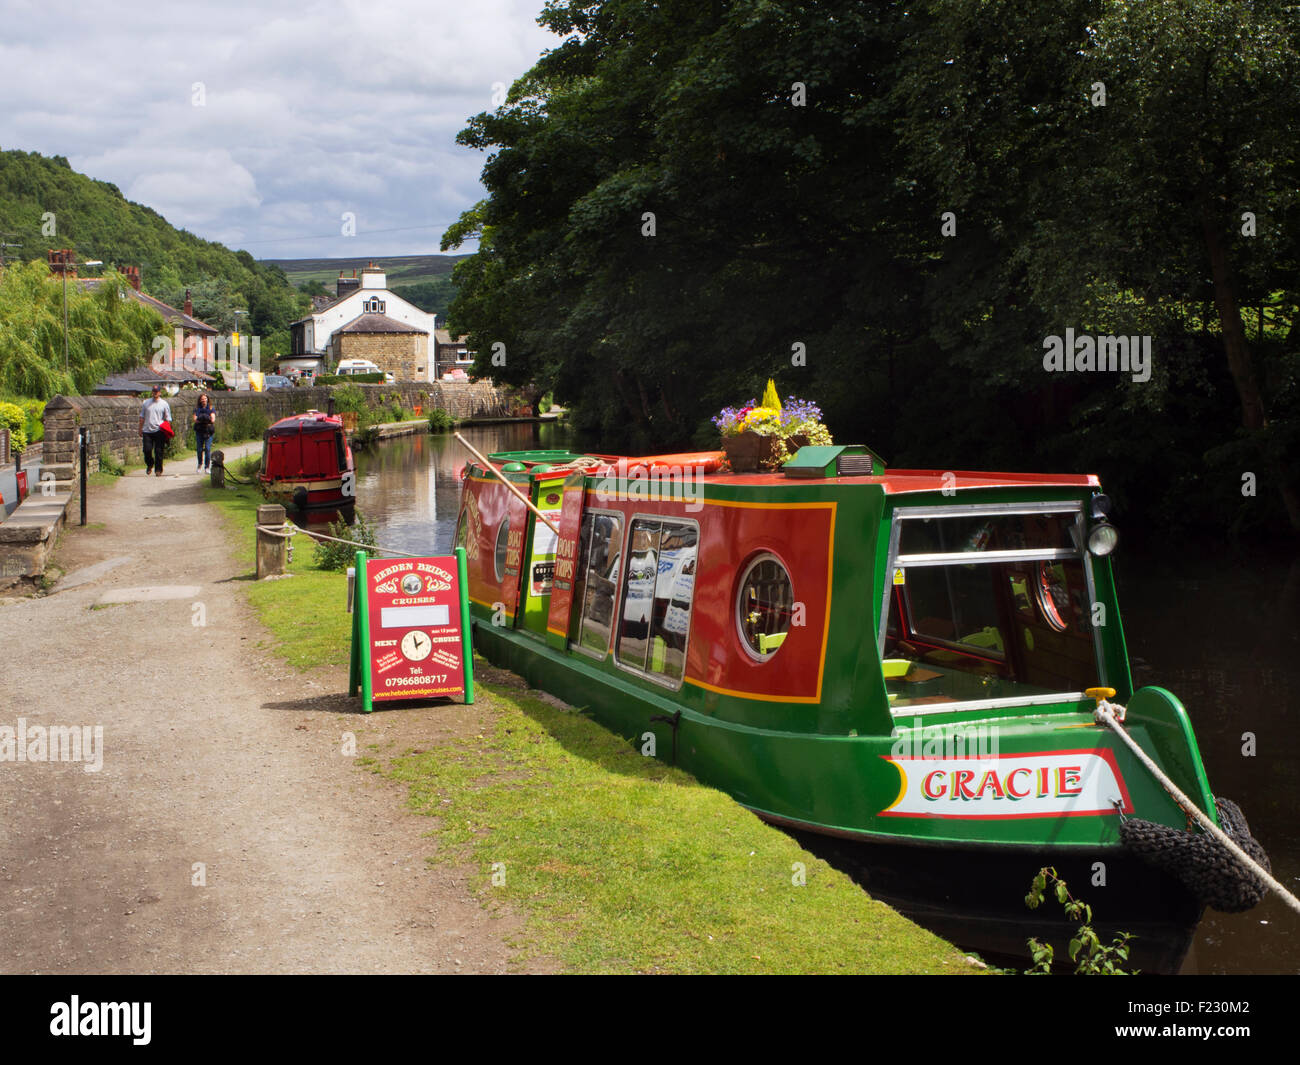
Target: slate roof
(169,313)
(379,323)
(143,378)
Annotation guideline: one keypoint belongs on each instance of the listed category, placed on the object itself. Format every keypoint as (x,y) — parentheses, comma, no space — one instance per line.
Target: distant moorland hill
(425,280)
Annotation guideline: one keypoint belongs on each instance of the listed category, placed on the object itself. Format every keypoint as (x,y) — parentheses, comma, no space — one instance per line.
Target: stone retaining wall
(113,421)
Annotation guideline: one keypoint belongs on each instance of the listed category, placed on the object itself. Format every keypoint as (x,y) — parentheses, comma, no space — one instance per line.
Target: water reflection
(1225,638)
(407,487)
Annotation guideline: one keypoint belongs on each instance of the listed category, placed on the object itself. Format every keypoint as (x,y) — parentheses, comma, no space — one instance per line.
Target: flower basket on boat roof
(764,436)
(749,451)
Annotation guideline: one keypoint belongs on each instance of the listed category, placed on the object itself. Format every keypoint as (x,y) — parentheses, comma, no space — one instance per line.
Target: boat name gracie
(1068,783)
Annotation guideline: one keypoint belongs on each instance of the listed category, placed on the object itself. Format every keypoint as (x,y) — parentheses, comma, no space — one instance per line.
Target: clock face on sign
(416,646)
(411,584)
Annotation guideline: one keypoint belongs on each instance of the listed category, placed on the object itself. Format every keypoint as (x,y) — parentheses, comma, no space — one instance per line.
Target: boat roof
(893,482)
(306,422)
(900,482)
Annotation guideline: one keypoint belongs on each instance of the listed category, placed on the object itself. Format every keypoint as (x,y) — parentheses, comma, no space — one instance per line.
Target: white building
(356,297)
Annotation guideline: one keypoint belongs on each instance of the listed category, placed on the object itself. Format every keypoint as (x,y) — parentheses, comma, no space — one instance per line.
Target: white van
(351,367)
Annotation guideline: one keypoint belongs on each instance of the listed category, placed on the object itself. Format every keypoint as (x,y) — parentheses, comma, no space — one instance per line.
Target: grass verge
(619,863)
(626,865)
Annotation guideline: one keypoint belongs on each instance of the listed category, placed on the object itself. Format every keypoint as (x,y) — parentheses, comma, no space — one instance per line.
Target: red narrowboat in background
(307,465)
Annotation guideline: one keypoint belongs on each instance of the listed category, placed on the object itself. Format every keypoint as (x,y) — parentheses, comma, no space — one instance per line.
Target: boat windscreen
(988,609)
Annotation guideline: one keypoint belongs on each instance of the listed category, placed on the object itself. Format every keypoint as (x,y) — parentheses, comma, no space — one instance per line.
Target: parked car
(352,367)
(275,380)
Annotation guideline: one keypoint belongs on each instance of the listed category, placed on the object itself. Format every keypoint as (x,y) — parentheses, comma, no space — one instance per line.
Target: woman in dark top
(205,424)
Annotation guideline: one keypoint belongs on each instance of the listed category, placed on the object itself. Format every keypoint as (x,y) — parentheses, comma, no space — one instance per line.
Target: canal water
(1222,635)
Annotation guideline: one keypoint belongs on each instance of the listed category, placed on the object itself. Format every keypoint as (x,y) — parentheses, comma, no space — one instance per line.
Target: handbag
(166,429)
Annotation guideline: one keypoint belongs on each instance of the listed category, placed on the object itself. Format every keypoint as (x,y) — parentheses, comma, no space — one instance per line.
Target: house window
(374,306)
(464,356)
(658,588)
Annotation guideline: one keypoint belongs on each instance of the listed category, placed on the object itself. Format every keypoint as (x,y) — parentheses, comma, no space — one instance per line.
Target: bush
(440,421)
(355,378)
(349,399)
(108,464)
(245,423)
(14,419)
(332,556)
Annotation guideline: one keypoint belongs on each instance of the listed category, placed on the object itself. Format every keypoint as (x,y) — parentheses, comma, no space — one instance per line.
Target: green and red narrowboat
(307,465)
(897,659)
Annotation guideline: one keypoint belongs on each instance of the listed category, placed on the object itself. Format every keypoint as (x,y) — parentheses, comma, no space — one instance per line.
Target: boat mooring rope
(1203,859)
(289,530)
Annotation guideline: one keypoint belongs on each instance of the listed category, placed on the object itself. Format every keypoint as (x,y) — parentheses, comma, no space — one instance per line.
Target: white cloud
(309,110)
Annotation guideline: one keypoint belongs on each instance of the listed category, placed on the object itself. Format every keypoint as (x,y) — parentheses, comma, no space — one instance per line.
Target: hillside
(425,280)
(45,204)
(401,269)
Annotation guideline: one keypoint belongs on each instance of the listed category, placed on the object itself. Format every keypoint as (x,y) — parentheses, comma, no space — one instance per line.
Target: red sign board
(413,635)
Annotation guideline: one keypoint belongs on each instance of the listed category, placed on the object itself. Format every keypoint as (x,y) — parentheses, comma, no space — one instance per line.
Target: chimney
(189,305)
(63,261)
(345,285)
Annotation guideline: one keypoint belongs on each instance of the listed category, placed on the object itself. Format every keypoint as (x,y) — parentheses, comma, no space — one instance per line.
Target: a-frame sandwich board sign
(411,630)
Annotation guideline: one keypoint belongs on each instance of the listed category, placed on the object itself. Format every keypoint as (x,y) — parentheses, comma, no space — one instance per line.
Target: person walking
(155,411)
(205,425)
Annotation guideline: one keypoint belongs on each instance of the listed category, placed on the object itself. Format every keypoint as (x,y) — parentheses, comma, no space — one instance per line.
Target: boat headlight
(1103,539)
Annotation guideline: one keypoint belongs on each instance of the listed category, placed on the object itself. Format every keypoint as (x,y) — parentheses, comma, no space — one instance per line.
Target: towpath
(226,832)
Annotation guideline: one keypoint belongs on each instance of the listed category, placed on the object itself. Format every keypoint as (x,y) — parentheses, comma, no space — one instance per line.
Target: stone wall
(404,355)
(113,421)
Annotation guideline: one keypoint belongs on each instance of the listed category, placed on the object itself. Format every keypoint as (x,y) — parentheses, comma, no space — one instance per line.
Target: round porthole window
(503,542)
(764,606)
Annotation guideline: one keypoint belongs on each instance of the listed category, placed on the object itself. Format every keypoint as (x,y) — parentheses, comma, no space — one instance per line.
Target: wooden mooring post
(271,546)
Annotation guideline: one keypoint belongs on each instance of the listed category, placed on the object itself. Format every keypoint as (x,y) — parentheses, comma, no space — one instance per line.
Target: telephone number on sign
(397,682)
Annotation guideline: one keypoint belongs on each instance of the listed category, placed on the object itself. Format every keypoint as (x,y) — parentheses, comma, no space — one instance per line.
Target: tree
(107,332)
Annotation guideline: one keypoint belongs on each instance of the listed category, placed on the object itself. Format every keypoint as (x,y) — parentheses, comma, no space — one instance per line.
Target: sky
(261,124)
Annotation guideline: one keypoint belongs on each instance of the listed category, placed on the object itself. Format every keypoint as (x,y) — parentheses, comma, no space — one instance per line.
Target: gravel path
(225,832)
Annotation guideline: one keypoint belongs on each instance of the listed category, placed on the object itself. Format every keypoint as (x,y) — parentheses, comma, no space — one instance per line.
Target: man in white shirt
(155,411)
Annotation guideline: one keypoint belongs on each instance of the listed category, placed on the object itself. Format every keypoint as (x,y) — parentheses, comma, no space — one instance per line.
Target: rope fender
(1204,865)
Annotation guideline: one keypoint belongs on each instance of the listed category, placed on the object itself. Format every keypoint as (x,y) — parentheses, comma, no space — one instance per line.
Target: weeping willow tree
(106,332)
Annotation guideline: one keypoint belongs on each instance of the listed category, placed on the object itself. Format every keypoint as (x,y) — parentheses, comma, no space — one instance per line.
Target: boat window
(658,589)
(503,540)
(988,608)
(600,540)
(763,606)
(989,532)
